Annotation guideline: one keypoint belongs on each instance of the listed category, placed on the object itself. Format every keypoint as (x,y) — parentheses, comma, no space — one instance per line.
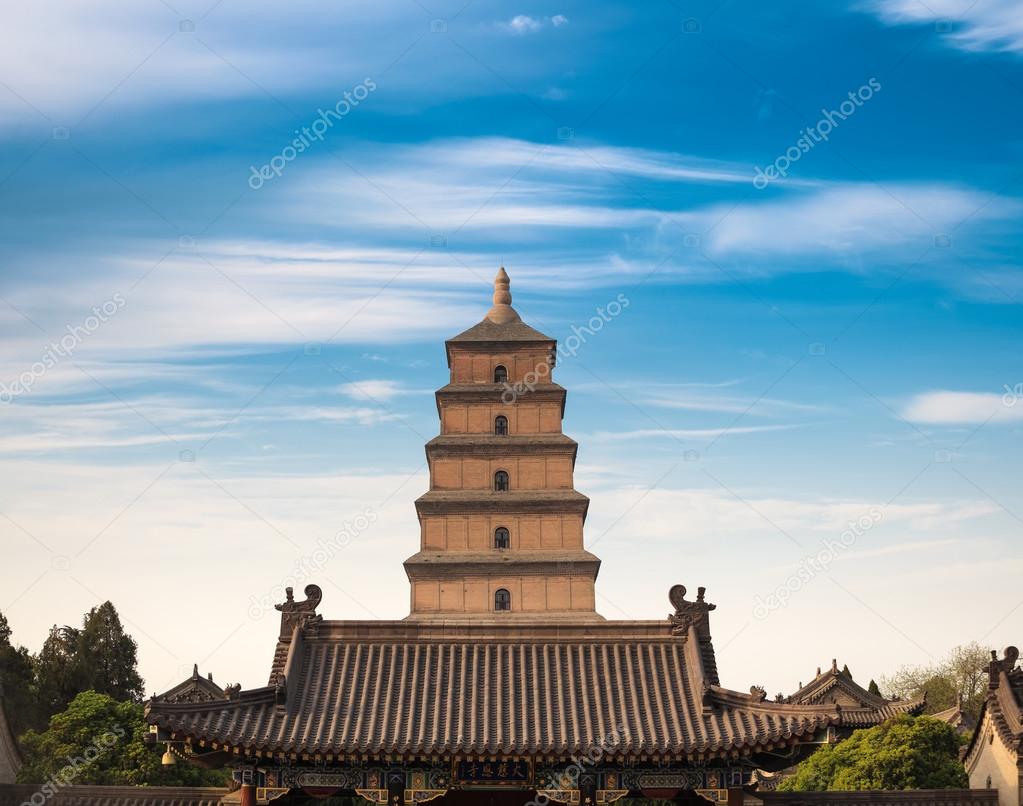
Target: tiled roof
(507,445)
(397,687)
(487,331)
(1003,706)
(499,561)
(90,795)
(531,501)
(498,686)
(859,707)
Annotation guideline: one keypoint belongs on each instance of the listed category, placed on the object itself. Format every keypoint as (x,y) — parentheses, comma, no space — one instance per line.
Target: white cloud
(477,185)
(239,297)
(372,390)
(61,61)
(130,421)
(963,408)
(523,24)
(851,218)
(685,433)
(657,513)
(968,24)
(64,60)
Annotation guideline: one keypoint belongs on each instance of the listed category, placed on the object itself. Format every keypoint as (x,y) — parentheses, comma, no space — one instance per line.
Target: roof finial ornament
(299,613)
(502,312)
(689,614)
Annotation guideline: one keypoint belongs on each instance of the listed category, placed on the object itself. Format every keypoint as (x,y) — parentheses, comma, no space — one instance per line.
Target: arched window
(502,599)
(501,481)
(501,539)
(500,374)
(501,425)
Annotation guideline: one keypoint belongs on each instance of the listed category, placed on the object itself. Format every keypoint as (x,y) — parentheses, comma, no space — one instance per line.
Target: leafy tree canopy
(99,740)
(957,680)
(108,656)
(17,675)
(100,656)
(902,753)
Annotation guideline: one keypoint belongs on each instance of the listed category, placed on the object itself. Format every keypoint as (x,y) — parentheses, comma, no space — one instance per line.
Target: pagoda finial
(502,312)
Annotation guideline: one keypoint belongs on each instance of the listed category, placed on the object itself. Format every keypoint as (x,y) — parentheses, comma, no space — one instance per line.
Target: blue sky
(839,345)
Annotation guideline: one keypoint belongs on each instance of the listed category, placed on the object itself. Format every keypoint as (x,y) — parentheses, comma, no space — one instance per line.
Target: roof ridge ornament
(502,311)
(689,614)
(1007,664)
(295,613)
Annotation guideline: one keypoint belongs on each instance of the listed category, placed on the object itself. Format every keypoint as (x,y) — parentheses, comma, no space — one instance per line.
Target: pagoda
(502,523)
(503,678)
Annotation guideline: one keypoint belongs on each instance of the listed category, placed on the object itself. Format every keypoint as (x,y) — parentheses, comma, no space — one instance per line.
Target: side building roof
(1002,707)
(860,708)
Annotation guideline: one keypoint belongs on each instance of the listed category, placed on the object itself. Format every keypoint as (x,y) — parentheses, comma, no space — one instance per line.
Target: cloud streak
(972,25)
(963,408)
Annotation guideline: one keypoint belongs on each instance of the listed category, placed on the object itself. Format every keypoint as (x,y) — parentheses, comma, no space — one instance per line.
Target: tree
(902,753)
(100,656)
(108,656)
(873,688)
(99,740)
(956,680)
(58,674)
(17,677)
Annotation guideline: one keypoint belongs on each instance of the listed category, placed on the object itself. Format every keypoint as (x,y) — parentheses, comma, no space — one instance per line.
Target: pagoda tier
(502,523)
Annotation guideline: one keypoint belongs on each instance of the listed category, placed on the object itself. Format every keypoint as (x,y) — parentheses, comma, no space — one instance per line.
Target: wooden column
(248,795)
(396,788)
(587,790)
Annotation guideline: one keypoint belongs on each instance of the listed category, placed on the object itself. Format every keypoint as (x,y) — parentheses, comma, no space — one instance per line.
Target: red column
(248,795)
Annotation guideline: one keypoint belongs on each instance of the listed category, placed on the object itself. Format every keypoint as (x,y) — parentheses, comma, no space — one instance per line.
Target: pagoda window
(500,374)
(501,425)
(501,538)
(501,481)
(502,599)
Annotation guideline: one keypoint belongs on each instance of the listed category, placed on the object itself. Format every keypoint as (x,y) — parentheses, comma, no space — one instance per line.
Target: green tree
(108,656)
(902,753)
(17,678)
(956,680)
(58,674)
(873,688)
(99,740)
(100,656)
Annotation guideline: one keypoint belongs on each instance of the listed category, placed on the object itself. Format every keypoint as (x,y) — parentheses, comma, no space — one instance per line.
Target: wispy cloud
(851,219)
(376,390)
(658,513)
(995,25)
(963,408)
(685,433)
(524,24)
(703,397)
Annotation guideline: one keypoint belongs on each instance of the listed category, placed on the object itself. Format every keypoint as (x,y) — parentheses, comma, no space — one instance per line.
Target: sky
(233,237)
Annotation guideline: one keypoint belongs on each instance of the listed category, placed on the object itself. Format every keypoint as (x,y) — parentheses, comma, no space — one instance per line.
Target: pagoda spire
(502,312)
